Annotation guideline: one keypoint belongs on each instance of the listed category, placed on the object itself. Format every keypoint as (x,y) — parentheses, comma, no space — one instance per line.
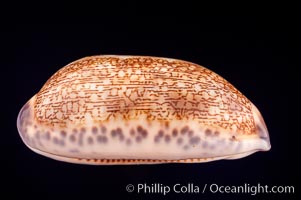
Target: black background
(249,51)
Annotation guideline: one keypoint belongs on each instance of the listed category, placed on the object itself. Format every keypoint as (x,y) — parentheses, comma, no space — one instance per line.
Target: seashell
(140,110)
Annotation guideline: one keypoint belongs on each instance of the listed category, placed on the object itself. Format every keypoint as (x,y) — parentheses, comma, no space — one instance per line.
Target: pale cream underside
(133,161)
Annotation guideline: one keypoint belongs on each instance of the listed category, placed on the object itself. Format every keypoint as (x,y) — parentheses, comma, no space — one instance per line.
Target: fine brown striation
(102,88)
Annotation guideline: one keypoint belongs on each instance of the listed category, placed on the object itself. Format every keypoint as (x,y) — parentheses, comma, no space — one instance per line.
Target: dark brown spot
(157,139)
(90,140)
(121,137)
(144,133)
(128,141)
(194,140)
(185,147)
(55,140)
(94,130)
(184,130)
(72,138)
(233,138)
(132,132)
(174,132)
(102,139)
(83,130)
(63,133)
(103,129)
(190,133)
(119,133)
(167,138)
(99,138)
(160,133)
(47,135)
(113,133)
(139,129)
(74,130)
(208,132)
(180,140)
(138,138)
(216,133)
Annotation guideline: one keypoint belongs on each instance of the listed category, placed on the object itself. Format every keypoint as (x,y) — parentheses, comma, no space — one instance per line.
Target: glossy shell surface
(140,110)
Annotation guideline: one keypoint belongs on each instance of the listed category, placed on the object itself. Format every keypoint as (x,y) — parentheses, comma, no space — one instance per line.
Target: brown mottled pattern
(131,87)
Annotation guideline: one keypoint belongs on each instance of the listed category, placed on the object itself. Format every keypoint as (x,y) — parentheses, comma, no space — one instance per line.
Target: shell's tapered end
(261,129)
(259,140)
(25,123)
